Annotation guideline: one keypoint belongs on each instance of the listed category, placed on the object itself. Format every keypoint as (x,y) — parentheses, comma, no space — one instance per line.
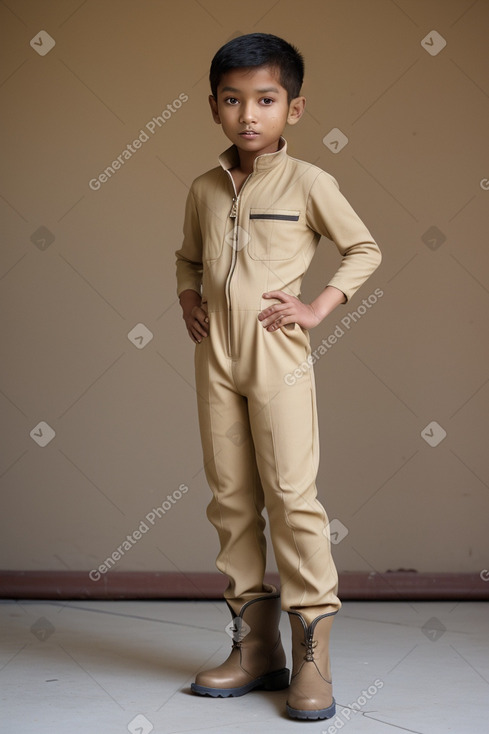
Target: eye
(267,101)
(231,100)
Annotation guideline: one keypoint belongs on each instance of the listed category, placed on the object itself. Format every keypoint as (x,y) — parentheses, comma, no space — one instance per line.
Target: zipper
(233,215)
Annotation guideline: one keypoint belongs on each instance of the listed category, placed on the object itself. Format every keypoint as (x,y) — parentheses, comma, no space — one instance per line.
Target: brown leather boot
(257,658)
(310,694)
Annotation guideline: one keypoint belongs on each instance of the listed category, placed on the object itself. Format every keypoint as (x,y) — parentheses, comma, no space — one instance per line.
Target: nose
(248,114)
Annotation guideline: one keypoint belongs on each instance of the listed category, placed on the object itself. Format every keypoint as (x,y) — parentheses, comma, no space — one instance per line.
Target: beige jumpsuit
(260,434)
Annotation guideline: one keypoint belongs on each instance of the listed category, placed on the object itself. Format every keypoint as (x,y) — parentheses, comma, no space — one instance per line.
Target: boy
(251,228)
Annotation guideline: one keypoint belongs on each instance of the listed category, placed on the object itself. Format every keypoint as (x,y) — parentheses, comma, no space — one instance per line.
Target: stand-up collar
(230,158)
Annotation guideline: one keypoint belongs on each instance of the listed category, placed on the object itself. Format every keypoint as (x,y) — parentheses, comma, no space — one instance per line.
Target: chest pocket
(275,234)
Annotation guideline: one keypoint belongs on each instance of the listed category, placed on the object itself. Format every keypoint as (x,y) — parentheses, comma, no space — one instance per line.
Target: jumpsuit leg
(284,427)
(284,430)
(237,503)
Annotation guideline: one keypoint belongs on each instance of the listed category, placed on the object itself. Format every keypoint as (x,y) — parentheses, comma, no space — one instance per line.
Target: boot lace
(237,631)
(310,645)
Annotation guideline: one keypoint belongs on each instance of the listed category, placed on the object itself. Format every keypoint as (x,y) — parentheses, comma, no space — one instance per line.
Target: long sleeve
(189,256)
(330,214)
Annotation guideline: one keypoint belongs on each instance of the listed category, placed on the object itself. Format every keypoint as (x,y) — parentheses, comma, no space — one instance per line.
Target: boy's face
(253,110)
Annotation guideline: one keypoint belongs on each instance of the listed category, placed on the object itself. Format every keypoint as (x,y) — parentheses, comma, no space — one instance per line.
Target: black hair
(260,49)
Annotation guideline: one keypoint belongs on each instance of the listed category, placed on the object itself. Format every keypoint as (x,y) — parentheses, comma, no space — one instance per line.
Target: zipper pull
(233,213)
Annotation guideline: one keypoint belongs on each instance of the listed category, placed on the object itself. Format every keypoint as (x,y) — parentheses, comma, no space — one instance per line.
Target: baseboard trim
(353,585)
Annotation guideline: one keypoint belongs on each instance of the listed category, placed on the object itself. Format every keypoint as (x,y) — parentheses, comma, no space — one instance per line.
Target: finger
(202,318)
(200,313)
(284,297)
(196,336)
(280,321)
(285,312)
(272,310)
(196,328)
(199,329)
(274,323)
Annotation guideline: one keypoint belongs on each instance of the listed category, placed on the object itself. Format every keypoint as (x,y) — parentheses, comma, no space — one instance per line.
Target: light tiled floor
(114,667)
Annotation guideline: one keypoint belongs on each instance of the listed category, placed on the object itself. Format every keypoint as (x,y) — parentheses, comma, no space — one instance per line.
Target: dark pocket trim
(286,217)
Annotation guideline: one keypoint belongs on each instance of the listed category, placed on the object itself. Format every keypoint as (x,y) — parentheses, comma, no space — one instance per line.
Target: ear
(296,110)
(215,113)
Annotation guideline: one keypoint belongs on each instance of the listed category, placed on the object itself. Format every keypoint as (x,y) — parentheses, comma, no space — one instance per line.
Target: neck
(247,158)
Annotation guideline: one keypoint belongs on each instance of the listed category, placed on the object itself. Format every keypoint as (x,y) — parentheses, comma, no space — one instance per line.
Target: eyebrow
(260,91)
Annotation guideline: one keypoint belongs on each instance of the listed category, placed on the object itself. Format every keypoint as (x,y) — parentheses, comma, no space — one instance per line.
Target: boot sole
(275,681)
(327,713)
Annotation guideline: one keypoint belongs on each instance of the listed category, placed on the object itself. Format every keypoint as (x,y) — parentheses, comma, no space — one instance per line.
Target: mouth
(249,134)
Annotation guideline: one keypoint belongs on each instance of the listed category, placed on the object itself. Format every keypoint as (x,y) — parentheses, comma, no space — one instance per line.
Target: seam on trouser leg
(260,523)
(275,454)
(315,442)
(213,447)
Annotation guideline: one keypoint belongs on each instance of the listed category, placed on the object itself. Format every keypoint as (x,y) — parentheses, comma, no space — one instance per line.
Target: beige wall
(125,418)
